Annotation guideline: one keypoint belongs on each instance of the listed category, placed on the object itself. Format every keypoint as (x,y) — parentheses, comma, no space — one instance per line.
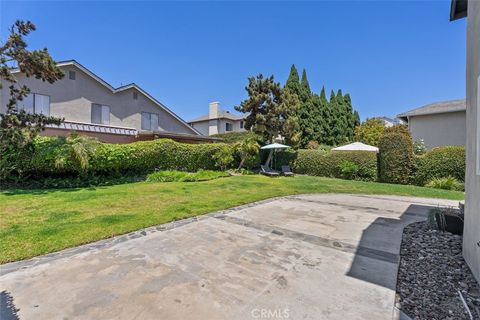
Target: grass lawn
(35,222)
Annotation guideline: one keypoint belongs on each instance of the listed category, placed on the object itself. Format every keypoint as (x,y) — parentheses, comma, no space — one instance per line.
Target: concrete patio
(327,256)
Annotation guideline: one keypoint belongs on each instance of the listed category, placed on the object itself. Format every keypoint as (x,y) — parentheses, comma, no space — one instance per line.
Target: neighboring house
(389,122)
(471,233)
(438,124)
(93,107)
(217,121)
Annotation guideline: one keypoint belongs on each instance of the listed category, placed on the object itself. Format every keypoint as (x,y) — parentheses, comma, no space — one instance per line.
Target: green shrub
(319,163)
(440,162)
(138,157)
(223,157)
(348,170)
(448,183)
(181,176)
(395,158)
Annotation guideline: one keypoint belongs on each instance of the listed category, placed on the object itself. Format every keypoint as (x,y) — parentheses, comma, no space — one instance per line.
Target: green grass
(182,176)
(35,222)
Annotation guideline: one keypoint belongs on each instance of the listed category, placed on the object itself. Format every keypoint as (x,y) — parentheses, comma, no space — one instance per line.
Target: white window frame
(33,96)
(478,126)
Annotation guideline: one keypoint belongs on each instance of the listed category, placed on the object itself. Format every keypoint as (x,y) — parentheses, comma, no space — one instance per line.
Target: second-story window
(228,127)
(71,75)
(100,114)
(135,95)
(35,103)
(149,121)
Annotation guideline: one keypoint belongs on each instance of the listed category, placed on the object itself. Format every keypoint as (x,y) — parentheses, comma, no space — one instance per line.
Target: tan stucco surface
(204,126)
(443,129)
(72,99)
(471,239)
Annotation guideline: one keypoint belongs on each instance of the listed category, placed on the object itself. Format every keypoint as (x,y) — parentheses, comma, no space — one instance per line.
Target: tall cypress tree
(293,81)
(305,86)
(326,118)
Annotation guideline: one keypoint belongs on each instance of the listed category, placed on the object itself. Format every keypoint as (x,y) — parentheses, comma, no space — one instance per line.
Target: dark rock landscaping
(432,274)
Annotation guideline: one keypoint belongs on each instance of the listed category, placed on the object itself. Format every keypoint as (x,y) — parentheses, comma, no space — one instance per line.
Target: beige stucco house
(438,124)
(93,107)
(217,121)
(471,236)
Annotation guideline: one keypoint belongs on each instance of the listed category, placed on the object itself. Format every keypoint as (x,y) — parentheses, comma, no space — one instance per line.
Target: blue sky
(390,56)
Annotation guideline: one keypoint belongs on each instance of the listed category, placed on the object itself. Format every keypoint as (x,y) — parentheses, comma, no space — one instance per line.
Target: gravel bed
(431,273)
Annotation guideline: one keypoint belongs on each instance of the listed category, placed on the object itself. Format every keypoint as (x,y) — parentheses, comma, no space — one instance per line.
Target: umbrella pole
(269,159)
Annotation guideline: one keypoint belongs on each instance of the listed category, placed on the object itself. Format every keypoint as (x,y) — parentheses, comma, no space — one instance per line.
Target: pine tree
(272,110)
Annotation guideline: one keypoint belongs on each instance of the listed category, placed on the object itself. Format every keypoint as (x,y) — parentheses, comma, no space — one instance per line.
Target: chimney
(213,110)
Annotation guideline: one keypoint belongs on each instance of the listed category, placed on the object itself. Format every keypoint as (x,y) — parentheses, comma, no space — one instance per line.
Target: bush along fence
(81,161)
(138,157)
(356,165)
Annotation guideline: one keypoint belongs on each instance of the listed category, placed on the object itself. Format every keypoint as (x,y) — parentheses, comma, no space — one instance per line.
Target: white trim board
(478,126)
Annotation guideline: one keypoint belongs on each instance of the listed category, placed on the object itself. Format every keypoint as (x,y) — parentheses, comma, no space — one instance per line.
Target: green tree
(223,157)
(17,127)
(293,81)
(248,149)
(370,131)
(272,111)
(305,91)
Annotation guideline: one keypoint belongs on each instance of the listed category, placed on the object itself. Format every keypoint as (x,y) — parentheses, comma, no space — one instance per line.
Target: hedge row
(163,154)
(395,160)
(441,162)
(319,163)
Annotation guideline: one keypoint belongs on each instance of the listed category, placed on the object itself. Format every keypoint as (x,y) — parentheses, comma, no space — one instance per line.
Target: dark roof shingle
(435,108)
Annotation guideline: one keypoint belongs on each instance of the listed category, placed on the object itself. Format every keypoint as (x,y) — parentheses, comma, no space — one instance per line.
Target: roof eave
(458,9)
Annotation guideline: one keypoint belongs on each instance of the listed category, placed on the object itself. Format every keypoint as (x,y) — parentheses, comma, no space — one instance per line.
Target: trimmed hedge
(441,162)
(395,157)
(319,163)
(236,136)
(137,157)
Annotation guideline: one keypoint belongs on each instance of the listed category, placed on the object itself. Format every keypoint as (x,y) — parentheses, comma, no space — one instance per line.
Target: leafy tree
(248,149)
(272,110)
(17,127)
(370,131)
(223,157)
(399,128)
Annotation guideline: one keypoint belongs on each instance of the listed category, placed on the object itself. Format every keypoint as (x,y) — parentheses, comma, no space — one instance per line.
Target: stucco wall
(72,99)
(471,238)
(444,129)
(203,127)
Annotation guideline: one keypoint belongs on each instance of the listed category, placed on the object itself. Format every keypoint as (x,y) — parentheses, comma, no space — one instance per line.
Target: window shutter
(42,104)
(105,115)
(154,121)
(26,104)
(96,113)
(145,121)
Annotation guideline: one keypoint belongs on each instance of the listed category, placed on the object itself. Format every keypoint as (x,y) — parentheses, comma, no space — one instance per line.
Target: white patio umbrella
(272,147)
(356,146)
